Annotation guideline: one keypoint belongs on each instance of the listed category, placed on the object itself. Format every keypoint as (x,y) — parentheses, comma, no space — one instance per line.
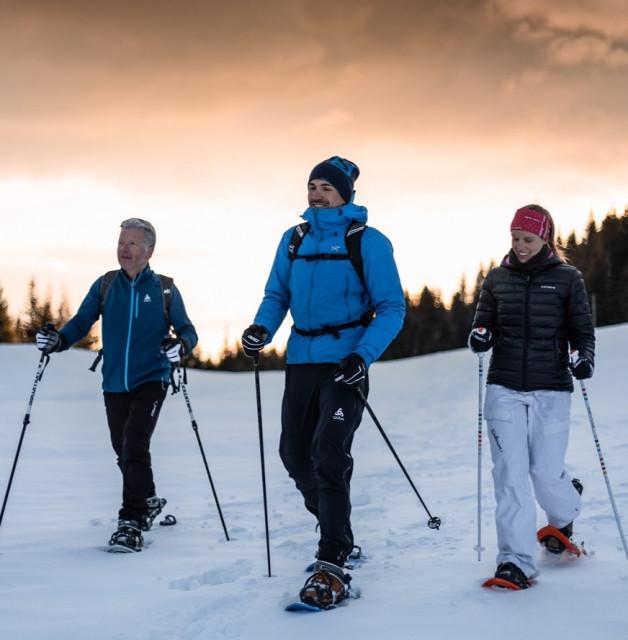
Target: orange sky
(205,117)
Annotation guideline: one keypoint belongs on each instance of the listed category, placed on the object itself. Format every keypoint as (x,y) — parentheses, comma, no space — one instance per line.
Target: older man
(137,356)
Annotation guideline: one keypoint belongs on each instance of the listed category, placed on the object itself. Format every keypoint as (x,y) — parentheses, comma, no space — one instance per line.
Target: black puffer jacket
(536,312)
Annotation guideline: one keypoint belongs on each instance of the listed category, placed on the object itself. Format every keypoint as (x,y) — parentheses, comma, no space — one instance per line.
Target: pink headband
(533,221)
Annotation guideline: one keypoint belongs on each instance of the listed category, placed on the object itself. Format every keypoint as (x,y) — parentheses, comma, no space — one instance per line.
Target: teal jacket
(133,326)
(320,293)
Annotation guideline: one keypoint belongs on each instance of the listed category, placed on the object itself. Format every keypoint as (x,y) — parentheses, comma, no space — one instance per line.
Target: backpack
(166,290)
(353,241)
(105,283)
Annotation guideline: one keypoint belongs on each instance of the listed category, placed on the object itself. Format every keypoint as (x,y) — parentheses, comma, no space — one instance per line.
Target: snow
(190,582)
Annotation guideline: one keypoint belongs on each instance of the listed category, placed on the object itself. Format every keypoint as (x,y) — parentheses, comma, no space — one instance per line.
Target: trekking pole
(479,548)
(603,465)
(261,451)
(200,444)
(43,361)
(433,522)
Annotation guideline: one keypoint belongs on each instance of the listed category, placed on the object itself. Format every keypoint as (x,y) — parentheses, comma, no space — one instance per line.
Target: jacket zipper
(526,334)
(129,332)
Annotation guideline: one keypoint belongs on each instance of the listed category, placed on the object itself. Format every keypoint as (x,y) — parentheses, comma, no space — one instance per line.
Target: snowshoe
(326,587)
(155,505)
(557,540)
(128,537)
(553,543)
(509,576)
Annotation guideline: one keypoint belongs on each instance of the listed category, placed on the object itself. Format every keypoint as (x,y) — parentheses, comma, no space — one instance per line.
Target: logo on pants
(339,415)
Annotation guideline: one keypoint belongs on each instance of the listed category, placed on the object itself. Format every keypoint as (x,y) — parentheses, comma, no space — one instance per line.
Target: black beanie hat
(340,173)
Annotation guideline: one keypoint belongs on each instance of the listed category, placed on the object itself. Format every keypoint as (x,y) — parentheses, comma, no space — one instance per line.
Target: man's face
(133,254)
(322,195)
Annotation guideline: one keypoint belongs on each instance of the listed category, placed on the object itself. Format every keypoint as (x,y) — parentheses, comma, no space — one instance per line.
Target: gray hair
(147,227)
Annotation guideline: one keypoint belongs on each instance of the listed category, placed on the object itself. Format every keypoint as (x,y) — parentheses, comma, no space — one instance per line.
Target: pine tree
(460,317)
(37,314)
(7,324)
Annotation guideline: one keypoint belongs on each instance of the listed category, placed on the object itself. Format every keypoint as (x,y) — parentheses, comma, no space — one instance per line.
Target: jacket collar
(544,258)
(140,277)
(338,216)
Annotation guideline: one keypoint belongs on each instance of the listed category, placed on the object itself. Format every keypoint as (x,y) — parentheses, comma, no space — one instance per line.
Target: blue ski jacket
(134,324)
(320,293)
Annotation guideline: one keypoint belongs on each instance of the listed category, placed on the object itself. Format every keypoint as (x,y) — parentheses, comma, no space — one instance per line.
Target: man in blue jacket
(137,355)
(342,323)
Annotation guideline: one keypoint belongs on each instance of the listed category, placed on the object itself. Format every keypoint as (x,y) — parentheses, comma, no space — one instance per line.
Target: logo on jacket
(335,248)
(146,298)
(339,415)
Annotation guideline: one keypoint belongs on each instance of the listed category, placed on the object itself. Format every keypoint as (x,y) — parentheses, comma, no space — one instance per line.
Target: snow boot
(512,573)
(327,586)
(154,505)
(554,545)
(128,535)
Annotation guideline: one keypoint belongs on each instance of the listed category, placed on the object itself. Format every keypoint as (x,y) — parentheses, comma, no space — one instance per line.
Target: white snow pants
(529,433)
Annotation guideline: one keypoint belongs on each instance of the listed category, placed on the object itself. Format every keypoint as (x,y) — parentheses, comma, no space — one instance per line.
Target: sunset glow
(206,117)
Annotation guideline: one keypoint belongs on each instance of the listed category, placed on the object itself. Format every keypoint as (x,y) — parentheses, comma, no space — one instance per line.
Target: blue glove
(480,340)
(253,339)
(351,370)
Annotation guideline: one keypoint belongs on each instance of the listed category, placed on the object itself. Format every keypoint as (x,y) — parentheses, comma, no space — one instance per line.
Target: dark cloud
(85,82)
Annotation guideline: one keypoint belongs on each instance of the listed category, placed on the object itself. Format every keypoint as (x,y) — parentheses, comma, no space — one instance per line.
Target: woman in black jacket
(533,310)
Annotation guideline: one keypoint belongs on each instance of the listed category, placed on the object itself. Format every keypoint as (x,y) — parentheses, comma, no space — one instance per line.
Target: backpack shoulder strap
(297,238)
(166,291)
(353,241)
(105,283)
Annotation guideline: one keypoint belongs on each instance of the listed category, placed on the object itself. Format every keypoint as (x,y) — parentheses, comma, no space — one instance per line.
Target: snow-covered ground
(190,582)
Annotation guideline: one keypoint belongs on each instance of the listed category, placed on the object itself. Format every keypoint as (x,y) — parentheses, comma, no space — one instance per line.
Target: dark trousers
(318,420)
(132,417)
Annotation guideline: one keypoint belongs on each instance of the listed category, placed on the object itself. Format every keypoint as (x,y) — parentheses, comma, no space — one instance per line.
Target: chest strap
(333,330)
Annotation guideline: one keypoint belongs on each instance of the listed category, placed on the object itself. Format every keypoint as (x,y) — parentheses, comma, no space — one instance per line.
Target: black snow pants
(318,421)
(132,417)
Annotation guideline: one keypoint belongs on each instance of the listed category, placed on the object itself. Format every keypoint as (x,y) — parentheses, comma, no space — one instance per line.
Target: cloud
(570,33)
(605,16)
(182,92)
(587,50)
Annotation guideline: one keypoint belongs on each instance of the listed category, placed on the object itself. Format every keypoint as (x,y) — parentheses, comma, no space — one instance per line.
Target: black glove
(351,370)
(175,348)
(49,340)
(253,339)
(480,340)
(581,368)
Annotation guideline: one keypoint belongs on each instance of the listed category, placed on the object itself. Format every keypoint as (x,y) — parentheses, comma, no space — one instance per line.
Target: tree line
(429,325)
